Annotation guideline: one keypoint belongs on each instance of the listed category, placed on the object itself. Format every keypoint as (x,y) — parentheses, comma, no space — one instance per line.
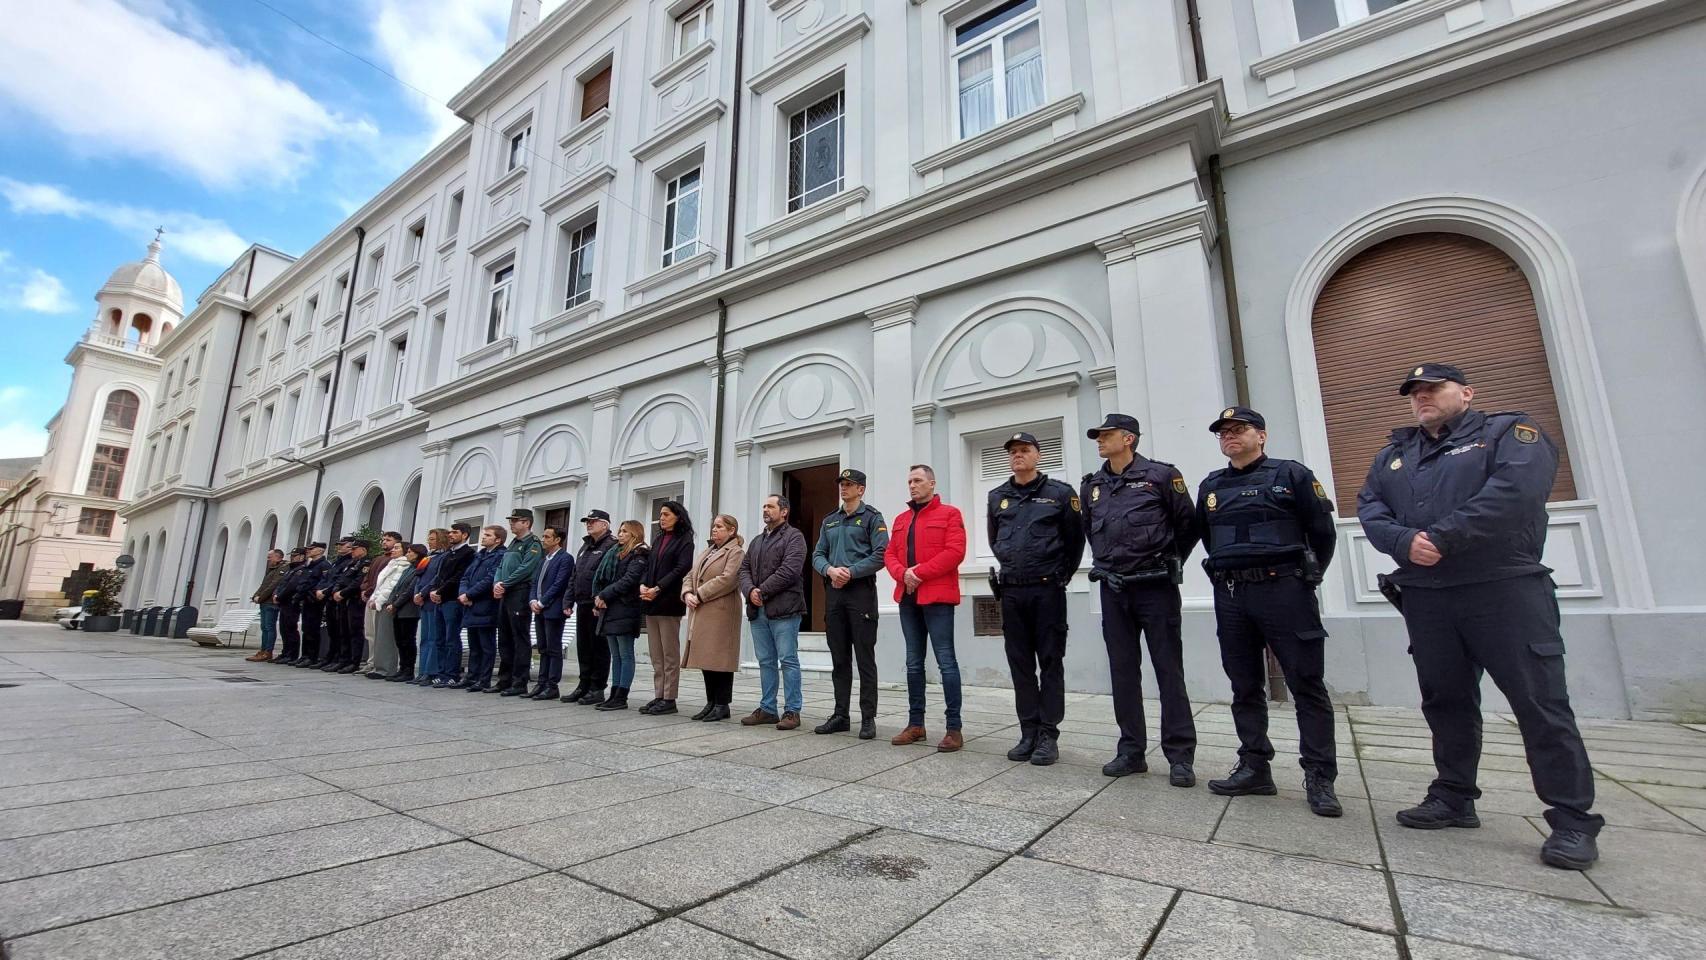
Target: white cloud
(197,237)
(438,46)
(115,81)
(18,436)
(42,292)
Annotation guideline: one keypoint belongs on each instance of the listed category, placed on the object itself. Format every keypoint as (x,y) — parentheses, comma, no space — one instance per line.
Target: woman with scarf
(616,600)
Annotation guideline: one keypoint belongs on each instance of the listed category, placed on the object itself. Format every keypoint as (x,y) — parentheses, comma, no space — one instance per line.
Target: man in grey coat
(772,579)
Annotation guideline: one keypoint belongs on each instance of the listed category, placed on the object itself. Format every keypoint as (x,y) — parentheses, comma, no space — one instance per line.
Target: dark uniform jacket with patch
(1137,518)
(1264,514)
(1478,490)
(290,586)
(1035,530)
(856,542)
(332,574)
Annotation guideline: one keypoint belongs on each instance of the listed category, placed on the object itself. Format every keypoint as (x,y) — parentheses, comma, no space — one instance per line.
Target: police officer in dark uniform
(307,583)
(290,608)
(347,595)
(332,651)
(1141,525)
(1268,527)
(848,554)
(1460,503)
(1036,533)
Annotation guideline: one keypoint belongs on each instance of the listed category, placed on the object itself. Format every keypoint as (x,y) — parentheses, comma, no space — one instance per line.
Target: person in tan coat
(711,593)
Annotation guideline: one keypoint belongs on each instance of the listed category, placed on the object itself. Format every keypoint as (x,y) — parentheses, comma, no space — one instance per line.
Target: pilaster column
(435,457)
(601,448)
(509,465)
(891,346)
(734,361)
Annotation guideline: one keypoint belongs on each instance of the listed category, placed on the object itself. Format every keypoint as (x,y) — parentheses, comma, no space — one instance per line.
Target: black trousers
(1509,629)
(719,687)
(850,621)
(592,652)
(313,630)
(1279,614)
(290,630)
(1033,624)
(355,627)
(515,648)
(336,647)
(1153,610)
(550,633)
(405,629)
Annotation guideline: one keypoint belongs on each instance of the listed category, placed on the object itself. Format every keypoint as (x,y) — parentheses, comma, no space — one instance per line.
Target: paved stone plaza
(155,801)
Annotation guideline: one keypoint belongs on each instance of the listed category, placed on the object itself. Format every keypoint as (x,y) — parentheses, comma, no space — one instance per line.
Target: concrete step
(45,595)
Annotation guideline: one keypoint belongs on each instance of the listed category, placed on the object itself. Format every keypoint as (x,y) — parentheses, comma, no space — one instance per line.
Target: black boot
(702,714)
(867,729)
(594,697)
(1045,753)
(718,712)
(653,705)
(618,699)
(1125,763)
(835,724)
(1181,775)
(1322,801)
(1569,849)
(663,707)
(1434,814)
(1026,746)
(549,693)
(576,694)
(1245,780)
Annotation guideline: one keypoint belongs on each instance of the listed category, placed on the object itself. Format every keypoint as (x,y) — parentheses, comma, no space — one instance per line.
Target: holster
(995,584)
(1393,593)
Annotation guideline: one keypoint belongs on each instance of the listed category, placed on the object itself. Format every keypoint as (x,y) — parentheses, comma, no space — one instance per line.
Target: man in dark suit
(550,586)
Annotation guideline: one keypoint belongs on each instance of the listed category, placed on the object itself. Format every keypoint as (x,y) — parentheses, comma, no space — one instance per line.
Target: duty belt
(1007,581)
(1257,574)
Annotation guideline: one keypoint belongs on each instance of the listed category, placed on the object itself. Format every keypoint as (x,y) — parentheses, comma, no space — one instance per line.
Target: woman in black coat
(672,557)
(616,601)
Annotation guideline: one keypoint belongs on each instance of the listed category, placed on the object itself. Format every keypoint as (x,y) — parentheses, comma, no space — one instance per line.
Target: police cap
(299,551)
(317,545)
(592,515)
(1113,421)
(1238,415)
(520,513)
(1021,437)
(1431,373)
(851,475)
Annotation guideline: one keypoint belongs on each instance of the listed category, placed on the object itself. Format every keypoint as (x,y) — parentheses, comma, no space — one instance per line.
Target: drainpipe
(1217,200)
(219,438)
(337,380)
(718,425)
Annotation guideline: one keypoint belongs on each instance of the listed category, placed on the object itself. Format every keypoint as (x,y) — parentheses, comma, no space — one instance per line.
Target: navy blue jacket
(1035,529)
(1479,491)
(476,583)
(1264,513)
(307,580)
(551,585)
(1137,518)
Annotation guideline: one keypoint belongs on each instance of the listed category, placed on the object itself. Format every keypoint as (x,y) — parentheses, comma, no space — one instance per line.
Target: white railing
(117,343)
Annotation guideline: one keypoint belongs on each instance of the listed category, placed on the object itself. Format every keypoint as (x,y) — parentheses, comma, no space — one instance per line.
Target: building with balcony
(712,250)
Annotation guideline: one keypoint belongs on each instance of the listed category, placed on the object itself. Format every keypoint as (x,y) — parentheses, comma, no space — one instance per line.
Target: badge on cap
(1213,501)
(1228,412)
(1525,433)
(1018,436)
(1417,373)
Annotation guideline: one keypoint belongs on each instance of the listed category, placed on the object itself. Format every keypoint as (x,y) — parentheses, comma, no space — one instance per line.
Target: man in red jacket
(926,544)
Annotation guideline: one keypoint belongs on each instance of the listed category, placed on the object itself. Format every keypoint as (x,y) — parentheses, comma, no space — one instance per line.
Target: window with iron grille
(986,617)
(817,138)
(106,473)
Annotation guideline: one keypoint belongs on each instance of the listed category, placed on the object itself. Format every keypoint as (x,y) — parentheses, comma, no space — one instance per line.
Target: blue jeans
(269,626)
(621,660)
(931,623)
(777,642)
(427,665)
(482,654)
(448,633)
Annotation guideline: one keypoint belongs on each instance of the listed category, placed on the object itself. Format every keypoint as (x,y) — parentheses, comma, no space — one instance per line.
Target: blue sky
(220,120)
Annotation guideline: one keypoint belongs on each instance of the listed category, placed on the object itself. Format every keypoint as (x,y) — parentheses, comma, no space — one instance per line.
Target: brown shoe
(789,721)
(259,656)
(909,735)
(757,717)
(953,741)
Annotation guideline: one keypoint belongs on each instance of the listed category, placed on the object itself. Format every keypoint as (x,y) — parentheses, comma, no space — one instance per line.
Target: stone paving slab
(676,938)
(503,810)
(1200,928)
(29,821)
(95,788)
(958,820)
(565,841)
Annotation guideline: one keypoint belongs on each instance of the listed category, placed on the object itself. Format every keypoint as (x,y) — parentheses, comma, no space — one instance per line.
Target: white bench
(232,623)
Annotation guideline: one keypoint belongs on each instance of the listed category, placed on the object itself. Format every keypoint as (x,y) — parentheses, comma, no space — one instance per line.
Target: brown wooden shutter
(1427,297)
(595,93)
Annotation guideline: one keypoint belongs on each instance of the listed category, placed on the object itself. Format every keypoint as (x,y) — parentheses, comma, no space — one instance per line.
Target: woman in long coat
(712,595)
(619,607)
(384,636)
(672,555)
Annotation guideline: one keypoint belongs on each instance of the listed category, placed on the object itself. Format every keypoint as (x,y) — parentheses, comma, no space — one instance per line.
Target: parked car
(68,617)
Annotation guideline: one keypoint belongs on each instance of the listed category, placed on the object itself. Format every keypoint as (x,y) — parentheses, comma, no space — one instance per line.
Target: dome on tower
(147,278)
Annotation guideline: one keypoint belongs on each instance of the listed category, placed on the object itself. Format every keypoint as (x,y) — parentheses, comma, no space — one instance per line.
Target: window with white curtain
(681,217)
(817,140)
(583,242)
(692,27)
(497,314)
(998,63)
(1315,17)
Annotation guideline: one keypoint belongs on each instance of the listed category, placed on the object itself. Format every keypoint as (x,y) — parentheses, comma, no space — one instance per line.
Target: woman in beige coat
(711,592)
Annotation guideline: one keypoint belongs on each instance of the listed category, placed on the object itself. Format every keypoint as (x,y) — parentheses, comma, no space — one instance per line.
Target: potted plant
(101,611)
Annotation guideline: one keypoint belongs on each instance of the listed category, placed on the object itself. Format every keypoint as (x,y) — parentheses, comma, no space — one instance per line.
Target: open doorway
(813,493)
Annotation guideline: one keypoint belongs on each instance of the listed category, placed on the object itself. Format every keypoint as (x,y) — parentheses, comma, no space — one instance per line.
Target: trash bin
(11,609)
(163,626)
(182,621)
(127,620)
(149,618)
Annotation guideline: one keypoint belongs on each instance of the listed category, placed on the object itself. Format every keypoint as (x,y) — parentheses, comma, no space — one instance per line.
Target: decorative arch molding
(1691,244)
(667,427)
(373,490)
(86,451)
(474,475)
(297,533)
(805,390)
(1569,346)
(557,456)
(1012,340)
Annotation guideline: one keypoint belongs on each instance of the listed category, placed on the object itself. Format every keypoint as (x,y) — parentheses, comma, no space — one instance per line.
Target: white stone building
(712,250)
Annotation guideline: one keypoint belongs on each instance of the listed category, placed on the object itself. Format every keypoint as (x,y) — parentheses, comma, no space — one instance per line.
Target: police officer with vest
(1459,501)
(307,584)
(1141,526)
(290,608)
(849,553)
(1037,535)
(1268,526)
(325,587)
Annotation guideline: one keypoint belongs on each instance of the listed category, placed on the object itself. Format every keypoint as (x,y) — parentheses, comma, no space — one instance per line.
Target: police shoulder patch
(1320,491)
(1525,433)
(1074,504)
(1179,484)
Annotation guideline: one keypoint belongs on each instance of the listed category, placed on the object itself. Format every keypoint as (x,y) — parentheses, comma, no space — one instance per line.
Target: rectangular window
(310,311)
(183,449)
(260,348)
(200,359)
(417,241)
(453,219)
(153,461)
(681,218)
(399,369)
(169,375)
(166,462)
(95,523)
(343,292)
(582,243)
(595,93)
(283,332)
(435,348)
(376,268)
(243,430)
(998,58)
(517,156)
(264,445)
(693,27)
(357,379)
(106,471)
(1315,17)
(292,407)
(497,314)
(816,149)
